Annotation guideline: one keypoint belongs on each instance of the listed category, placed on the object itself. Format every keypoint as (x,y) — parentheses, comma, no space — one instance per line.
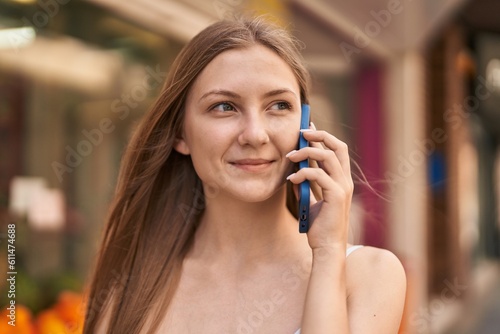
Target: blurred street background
(413,87)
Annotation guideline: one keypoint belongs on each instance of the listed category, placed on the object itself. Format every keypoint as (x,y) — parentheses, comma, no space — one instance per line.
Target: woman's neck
(234,231)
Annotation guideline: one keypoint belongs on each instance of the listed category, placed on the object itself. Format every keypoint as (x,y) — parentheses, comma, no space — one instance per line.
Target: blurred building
(412,86)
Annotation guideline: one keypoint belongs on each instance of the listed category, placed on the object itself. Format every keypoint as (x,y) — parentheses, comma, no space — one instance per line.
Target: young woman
(203,235)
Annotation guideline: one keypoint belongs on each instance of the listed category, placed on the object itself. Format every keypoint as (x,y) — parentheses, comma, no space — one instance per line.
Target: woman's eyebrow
(234,95)
(220,92)
(278,92)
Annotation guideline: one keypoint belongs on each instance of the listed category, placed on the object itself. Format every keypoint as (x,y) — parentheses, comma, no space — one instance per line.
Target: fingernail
(290,153)
(313,126)
(290,176)
(306,130)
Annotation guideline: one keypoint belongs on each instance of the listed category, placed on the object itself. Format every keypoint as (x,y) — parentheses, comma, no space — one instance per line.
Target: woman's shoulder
(374,255)
(376,290)
(371,267)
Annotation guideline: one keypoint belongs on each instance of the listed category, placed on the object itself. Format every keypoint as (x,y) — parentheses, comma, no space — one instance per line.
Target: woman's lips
(252,165)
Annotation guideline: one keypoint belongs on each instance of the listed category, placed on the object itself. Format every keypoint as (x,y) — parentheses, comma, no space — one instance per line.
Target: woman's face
(242,117)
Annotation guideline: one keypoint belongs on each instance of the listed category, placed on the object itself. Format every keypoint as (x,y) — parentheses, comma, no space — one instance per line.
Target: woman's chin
(253,194)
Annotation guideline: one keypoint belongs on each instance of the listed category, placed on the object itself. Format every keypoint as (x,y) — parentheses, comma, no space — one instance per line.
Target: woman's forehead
(255,67)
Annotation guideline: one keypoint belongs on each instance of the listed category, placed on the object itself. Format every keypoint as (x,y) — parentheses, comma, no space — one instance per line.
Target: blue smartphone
(304,187)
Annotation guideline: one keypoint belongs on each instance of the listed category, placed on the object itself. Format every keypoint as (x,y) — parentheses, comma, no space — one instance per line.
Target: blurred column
(406,176)
(447,145)
(459,229)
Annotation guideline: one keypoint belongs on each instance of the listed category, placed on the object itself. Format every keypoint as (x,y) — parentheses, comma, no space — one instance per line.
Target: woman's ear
(181,146)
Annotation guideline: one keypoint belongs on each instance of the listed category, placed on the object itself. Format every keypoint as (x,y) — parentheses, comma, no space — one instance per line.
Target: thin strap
(352,249)
(298,331)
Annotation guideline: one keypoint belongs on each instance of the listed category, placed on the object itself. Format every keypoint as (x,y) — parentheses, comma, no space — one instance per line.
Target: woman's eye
(281,106)
(223,107)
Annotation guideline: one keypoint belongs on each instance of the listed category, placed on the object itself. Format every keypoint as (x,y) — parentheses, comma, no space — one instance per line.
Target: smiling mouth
(252,165)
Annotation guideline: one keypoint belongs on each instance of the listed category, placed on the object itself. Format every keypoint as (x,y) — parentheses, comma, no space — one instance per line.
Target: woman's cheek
(289,125)
(289,137)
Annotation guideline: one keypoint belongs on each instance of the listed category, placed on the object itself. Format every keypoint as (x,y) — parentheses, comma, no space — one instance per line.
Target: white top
(347,253)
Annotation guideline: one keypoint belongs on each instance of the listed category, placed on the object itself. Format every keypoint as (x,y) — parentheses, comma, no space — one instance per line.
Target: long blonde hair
(159,198)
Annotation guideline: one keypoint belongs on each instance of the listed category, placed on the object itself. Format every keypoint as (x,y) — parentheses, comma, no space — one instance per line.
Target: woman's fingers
(330,170)
(327,160)
(313,199)
(332,157)
(331,190)
(331,143)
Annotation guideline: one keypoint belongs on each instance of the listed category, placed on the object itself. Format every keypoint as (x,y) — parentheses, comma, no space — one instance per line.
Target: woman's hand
(325,308)
(330,216)
(376,280)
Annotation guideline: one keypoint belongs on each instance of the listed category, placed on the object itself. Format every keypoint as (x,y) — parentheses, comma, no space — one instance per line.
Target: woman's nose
(254,131)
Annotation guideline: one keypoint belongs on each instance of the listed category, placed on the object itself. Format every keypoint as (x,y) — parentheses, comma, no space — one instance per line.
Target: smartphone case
(304,187)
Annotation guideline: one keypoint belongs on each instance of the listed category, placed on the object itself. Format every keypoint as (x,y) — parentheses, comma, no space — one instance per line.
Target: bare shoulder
(374,267)
(376,261)
(376,284)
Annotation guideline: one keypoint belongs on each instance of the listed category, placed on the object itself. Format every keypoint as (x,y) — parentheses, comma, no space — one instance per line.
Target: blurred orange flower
(49,322)
(64,317)
(23,321)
